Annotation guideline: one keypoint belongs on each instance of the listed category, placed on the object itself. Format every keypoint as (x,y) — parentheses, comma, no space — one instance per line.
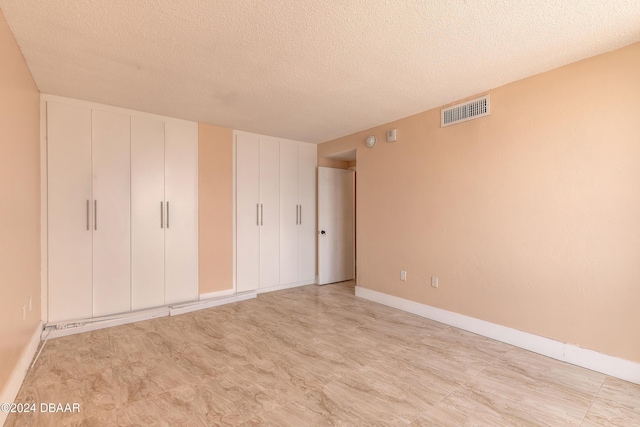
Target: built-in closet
(275,212)
(121,210)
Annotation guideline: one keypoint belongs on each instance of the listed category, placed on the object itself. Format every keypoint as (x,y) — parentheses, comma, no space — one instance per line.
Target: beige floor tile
(125,350)
(154,411)
(392,395)
(149,377)
(317,408)
(209,406)
(312,356)
(79,361)
(543,374)
(463,340)
(163,325)
(617,404)
(465,407)
(287,370)
(529,389)
(253,392)
(200,361)
(93,394)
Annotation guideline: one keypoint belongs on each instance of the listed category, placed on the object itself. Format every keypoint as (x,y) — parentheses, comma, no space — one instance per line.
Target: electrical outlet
(434,281)
(30,303)
(403,275)
(24,312)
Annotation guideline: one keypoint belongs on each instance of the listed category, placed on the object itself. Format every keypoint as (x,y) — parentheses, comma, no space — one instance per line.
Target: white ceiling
(304,69)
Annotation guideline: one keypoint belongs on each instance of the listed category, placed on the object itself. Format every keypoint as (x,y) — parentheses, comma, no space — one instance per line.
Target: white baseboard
(201,305)
(11,389)
(283,287)
(61,329)
(590,359)
(216,294)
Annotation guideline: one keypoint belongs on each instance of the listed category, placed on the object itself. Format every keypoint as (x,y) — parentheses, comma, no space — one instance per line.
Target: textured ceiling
(304,69)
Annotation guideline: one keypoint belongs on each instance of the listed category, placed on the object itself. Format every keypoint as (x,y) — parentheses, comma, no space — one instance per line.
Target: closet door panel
(289,213)
(147,213)
(110,134)
(69,212)
(307,230)
(247,212)
(181,212)
(269,213)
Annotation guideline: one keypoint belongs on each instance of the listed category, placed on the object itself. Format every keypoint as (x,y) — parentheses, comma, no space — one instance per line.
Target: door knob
(322,232)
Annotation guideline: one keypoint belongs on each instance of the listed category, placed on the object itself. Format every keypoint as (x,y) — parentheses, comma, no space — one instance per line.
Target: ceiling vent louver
(469,110)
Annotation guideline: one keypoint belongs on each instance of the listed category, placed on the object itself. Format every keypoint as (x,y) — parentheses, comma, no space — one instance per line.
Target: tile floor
(312,356)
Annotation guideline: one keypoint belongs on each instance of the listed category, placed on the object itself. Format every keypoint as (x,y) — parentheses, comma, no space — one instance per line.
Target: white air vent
(469,110)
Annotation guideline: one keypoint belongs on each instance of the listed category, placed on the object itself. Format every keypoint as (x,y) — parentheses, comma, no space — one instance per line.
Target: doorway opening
(337,187)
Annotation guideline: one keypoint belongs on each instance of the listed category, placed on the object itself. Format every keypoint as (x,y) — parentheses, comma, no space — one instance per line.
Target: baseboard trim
(11,389)
(216,294)
(62,329)
(187,308)
(283,287)
(590,359)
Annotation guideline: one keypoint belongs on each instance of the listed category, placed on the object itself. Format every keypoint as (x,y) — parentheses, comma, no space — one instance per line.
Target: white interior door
(111,154)
(307,231)
(247,212)
(335,224)
(147,213)
(289,213)
(181,212)
(269,213)
(69,212)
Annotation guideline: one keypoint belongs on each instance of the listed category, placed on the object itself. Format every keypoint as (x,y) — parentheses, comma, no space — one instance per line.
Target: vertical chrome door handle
(300,214)
(261,215)
(95,214)
(87,214)
(167,214)
(258,214)
(161,214)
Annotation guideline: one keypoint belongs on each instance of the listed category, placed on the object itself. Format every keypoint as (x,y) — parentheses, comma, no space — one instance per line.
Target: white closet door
(110,134)
(289,213)
(247,212)
(69,212)
(147,213)
(181,212)
(269,213)
(307,230)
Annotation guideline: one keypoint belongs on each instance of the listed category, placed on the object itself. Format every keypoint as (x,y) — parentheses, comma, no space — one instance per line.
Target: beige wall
(529,217)
(19,202)
(215,208)
(336,146)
